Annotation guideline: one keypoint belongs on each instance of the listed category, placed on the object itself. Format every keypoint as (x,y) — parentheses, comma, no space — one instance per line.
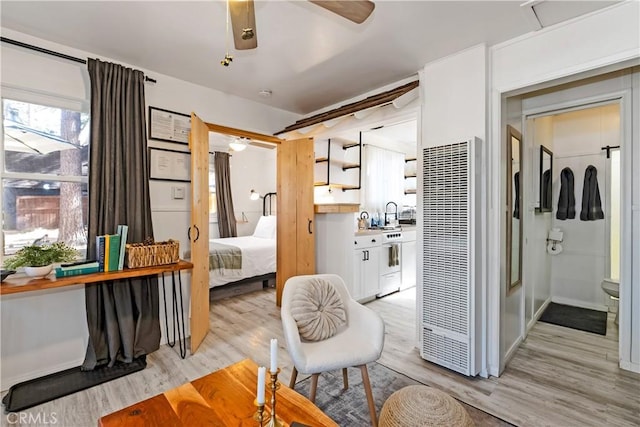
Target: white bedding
(258,257)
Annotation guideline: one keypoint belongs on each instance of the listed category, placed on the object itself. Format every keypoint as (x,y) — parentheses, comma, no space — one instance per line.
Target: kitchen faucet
(386,212)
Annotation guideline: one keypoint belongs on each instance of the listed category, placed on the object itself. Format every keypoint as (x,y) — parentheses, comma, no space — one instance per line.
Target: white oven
(390,262)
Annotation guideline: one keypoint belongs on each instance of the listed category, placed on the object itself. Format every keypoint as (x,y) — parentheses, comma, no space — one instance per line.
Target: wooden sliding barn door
(295,233)
(199,230)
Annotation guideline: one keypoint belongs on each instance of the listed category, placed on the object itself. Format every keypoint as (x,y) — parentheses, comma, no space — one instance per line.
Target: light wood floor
(558,377)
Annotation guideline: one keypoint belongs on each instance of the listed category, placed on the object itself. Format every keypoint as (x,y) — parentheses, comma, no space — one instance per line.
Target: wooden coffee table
(222,398)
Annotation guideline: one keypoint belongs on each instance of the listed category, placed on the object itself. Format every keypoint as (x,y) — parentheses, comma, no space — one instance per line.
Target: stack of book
(110,249)
(76,268)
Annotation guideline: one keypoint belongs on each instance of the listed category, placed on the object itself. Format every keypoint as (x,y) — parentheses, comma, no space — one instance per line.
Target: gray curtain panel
(226,217)
(122,315)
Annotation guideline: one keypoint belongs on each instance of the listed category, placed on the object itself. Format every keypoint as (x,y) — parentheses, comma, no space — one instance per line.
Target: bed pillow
(317,309)
(266,227)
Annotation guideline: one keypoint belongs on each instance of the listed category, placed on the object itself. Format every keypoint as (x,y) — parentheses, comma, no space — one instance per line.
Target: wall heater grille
(447,267)
(445,351)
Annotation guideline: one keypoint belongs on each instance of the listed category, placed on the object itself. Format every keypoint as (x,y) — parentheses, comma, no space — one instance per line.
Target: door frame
(199,319)
(624,99)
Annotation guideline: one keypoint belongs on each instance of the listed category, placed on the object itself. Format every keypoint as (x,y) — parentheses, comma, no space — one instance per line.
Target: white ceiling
(308,57)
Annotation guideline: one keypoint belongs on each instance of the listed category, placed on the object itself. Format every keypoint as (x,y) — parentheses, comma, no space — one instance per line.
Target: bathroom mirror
(514,209)
(546,179)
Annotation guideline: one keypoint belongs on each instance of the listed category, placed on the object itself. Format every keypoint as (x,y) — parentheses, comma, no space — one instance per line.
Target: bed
(244,259)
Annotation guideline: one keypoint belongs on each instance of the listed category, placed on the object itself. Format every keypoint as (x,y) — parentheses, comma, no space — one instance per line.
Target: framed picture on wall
(169,126)
(169,165)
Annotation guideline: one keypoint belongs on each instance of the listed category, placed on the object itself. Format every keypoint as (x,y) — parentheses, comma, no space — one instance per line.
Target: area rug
(349,408)
(583,319)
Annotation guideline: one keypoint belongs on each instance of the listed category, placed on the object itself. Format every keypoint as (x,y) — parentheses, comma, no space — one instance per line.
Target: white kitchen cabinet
(366,262)
(353,256)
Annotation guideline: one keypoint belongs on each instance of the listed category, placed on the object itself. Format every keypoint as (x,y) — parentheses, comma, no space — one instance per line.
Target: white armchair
(355,344)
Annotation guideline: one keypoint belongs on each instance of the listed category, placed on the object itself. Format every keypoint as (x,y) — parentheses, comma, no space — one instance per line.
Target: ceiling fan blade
(243,19)
(354,10)
(262,144)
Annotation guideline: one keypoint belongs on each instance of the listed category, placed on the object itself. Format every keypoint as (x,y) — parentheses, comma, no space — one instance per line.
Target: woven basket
(150,254)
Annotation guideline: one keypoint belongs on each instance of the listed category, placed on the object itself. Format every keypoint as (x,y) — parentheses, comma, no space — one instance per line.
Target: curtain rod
(54,53)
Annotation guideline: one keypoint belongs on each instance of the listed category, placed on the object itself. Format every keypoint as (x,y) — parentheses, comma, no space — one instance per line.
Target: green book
(113,255)
(77,271)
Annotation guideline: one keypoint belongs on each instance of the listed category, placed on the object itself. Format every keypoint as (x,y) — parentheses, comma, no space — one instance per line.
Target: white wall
(53,323)
(454,98)
(608,38)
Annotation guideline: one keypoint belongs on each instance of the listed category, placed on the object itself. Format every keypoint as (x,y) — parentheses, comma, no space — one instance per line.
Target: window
(44,175)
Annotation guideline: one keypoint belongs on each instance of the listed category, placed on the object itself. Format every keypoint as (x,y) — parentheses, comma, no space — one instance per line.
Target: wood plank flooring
(558,377)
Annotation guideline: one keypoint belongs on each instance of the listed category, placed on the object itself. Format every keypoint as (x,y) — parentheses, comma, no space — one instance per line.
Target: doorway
(575,243)
(521,310)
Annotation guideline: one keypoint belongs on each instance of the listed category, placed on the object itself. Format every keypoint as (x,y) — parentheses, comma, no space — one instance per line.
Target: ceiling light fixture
(238,144)
(254,195)
(265,93)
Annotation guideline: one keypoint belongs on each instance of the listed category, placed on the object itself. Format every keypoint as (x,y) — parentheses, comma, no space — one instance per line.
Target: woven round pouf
(419,405)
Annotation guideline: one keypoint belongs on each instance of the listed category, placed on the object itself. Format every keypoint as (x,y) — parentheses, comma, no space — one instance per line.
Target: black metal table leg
(177,309)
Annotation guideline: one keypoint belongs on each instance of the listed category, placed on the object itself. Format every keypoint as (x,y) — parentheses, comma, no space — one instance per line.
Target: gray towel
(567,198)
(394,255)
(591,204)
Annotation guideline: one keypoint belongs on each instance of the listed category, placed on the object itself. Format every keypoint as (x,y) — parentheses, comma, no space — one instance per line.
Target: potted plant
(38,260)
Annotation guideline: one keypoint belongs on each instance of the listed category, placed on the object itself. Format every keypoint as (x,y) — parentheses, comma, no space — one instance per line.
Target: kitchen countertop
(375,231)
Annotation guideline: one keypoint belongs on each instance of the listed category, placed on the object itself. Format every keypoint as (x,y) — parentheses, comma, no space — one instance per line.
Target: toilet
(612,288)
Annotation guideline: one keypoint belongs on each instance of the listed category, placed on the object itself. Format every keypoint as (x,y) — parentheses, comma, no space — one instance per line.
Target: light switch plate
(177,192)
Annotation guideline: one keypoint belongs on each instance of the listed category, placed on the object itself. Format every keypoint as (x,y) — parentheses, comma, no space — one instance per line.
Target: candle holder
(275,385)
(260,416)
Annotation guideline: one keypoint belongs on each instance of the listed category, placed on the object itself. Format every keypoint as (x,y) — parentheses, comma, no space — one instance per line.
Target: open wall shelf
(334,164)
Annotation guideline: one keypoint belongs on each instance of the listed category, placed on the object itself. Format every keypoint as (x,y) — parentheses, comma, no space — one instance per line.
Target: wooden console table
(222,398)
(14,285)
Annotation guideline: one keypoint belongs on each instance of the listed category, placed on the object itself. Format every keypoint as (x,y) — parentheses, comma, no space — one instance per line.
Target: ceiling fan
(243,18)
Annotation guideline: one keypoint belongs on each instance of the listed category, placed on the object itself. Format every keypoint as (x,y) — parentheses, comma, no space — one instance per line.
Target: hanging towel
(591,204)
(567,198)
(516,202)
(394,255)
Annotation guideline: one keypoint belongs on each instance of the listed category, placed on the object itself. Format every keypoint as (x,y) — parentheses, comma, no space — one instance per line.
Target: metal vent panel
(445,351)
(446,237)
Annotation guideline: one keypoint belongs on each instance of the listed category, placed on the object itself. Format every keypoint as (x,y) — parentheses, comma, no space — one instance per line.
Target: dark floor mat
(40,390)
(579,318)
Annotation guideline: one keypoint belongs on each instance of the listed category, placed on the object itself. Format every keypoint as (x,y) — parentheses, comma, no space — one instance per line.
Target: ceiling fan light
(238,144)
(247,33)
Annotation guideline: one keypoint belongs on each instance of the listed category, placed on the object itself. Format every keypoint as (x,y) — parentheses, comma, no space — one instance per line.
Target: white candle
(274,355)
(262,371)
